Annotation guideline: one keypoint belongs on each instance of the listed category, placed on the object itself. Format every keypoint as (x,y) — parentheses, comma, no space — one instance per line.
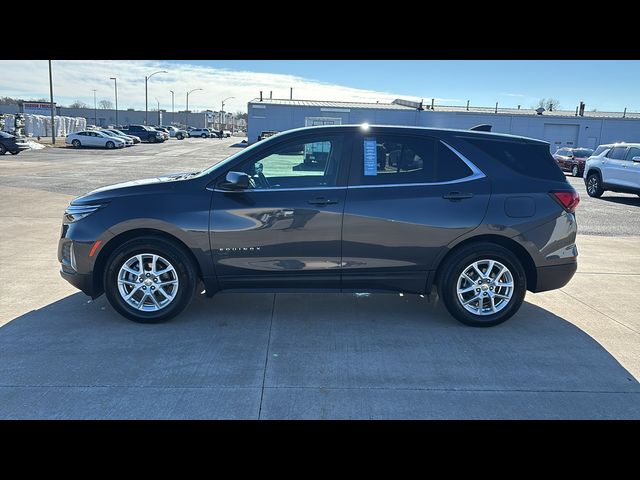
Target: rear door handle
(453,196)
(322,201)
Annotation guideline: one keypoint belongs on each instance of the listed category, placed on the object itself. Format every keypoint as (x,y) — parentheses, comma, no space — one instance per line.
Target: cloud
(76,79)
(514,94)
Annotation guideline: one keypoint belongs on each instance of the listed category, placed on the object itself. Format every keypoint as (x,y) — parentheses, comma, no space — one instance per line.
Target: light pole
(146,95)
(172,109)
(187,113)
(115,83)
(53,125)
(95,109)
(158,111)
(222,112)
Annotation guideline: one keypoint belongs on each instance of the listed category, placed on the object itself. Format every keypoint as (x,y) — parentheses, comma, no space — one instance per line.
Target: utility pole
(115,81)
(187,113)
(158,111)
(53,112)
(95,109)
(172,108)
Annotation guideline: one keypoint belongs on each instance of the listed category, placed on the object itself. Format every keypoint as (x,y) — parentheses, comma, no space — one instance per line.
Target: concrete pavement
(572,353)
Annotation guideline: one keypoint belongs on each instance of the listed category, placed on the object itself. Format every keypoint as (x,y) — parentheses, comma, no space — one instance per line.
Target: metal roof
(444,108)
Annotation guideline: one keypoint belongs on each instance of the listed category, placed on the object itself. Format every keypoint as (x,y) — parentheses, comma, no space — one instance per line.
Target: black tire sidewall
(186,271)
(576,170)
(110,145)
(467,255)
(3,149)
(76,143)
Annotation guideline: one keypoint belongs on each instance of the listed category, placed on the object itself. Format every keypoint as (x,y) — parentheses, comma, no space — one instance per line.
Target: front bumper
(554,276)
(81,281)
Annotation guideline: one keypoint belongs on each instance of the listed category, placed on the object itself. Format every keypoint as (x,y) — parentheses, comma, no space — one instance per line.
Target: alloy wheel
(485,287)
(148,282)
(592,185)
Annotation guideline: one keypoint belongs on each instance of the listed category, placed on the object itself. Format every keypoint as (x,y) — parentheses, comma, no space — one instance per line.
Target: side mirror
(636,159)
(235,181)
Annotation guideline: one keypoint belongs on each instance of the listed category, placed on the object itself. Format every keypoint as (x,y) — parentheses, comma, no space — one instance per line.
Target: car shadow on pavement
(305,356)
(631,201)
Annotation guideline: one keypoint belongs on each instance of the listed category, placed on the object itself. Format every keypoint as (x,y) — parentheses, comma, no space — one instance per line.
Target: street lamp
(222,112)
(172,109)
(53,124)
(158,111)
(187,113)
(146,106)
(95,109)
(115,82)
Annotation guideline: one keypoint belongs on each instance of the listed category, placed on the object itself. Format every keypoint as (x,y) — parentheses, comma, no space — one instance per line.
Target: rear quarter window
(530,159)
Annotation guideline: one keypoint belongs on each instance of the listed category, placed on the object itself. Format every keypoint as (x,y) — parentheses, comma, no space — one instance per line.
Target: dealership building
(570,128)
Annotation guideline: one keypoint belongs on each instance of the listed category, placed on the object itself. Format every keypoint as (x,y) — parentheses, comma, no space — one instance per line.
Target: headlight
(73,213)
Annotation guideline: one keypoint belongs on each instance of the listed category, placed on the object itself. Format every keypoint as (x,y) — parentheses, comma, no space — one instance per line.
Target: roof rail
(483,127)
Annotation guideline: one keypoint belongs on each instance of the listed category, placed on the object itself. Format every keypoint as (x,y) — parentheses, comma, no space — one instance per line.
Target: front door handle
(453,196)
(322,201)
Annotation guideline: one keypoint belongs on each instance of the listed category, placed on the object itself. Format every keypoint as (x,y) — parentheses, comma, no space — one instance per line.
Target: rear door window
(633,152)
(617,153)
(402,160)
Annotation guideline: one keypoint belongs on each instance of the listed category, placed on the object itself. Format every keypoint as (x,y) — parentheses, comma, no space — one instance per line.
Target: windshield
(582,152)
(229,159)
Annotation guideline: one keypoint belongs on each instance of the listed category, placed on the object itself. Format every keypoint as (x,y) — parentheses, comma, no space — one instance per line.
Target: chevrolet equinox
(482,217)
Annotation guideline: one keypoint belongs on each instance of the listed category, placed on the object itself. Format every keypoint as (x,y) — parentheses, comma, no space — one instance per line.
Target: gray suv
(481,217)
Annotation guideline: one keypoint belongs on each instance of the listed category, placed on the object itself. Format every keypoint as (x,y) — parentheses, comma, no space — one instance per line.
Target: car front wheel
(575,171)
(482,284)
(110,145)
(3,149)
(594,186)
(76,143)
(149,280)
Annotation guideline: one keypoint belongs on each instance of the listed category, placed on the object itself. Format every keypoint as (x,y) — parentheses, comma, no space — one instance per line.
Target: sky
(603,85)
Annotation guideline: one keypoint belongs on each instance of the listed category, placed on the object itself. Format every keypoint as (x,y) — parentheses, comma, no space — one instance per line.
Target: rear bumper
(553,277)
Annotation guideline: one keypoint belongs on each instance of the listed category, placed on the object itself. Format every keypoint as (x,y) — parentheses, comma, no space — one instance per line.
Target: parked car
(94,138)
(119,133)
(226,133)
(12,144)
(266,134)
(146,134)
(201,132)
(616,168)
(176,132)
(572,159)
(481,216)
(128,142)
(164,131)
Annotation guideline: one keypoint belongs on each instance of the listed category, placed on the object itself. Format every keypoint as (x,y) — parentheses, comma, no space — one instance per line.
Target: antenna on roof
(483,127)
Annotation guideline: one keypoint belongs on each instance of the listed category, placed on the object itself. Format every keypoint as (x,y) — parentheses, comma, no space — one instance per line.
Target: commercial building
(559,127)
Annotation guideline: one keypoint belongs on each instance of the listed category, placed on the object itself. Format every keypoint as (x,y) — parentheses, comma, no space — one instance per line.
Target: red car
(572,159)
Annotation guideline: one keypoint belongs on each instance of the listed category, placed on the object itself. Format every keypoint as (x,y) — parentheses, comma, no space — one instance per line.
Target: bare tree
(78,104)
(240,115)
(548,104)
(105,104)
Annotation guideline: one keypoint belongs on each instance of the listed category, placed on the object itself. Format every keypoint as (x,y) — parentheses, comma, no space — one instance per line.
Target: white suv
(200,132)
(615,167)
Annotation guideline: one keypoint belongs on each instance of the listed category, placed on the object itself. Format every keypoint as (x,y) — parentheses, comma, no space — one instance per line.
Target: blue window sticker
(370,157)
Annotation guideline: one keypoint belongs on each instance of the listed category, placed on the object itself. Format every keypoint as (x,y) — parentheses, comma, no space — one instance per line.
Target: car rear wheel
(179,136)
(151,139)
(482,284)
(594,185)
(204,135)
(575,171)
(110,144)
(15,152)
(149,280)
(3,149)
(76,143)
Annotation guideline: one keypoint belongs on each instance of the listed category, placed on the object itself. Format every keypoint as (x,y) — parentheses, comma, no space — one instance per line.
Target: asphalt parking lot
(570,353)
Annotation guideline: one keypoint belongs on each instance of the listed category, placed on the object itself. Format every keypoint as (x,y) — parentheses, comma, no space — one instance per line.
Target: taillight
(569,199)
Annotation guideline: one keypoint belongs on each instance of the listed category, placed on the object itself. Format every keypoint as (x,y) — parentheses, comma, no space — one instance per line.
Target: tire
(151,139)
(15,153)
(183,271)
(594,185)
(204,135)
(483,253)
(180,137)
(76,143)
(575,171)
(110,144)
(3,149)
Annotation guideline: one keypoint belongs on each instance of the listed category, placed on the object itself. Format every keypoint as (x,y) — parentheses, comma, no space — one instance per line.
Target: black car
(483,217)
(11,143)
